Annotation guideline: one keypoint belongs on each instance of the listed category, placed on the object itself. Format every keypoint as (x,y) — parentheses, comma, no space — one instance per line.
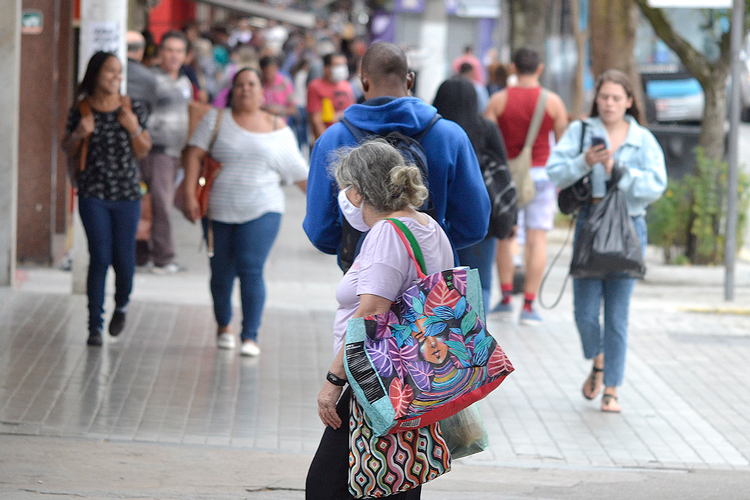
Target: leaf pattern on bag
(401,395)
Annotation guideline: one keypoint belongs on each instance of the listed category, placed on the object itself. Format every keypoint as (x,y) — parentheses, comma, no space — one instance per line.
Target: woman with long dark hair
(456,100)
(258,153)
(621,144)
(109,131)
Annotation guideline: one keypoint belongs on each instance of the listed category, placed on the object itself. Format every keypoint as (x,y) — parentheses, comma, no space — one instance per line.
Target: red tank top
(515,121)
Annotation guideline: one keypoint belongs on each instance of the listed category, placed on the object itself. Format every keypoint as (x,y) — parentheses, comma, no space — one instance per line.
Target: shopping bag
(464,432)
(385,465)
(607,244)
(430,356)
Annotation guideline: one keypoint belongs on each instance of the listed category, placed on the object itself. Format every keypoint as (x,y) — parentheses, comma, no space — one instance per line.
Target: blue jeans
(241,250)
(615,293)
(481,256)
(299,125)
(110,229)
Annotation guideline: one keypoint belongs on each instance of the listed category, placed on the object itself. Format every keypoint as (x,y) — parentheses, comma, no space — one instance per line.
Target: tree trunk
(530,25)
(612,24)
(711,138)
(580,37)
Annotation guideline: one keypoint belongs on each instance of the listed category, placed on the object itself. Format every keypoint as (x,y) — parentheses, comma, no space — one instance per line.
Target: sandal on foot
(591,385)
(607,401)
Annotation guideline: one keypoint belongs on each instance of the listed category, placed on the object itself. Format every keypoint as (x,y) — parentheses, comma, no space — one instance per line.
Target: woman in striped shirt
(258,153)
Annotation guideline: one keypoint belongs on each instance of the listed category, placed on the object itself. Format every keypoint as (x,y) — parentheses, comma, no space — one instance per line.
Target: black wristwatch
(335,380)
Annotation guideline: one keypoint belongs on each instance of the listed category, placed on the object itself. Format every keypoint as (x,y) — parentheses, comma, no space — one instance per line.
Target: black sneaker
(117,323)
(95,338)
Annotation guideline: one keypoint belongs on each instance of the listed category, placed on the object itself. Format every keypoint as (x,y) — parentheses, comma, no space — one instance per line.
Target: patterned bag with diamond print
(430,356)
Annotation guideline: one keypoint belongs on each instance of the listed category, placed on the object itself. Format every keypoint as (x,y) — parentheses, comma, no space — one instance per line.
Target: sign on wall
(32,22)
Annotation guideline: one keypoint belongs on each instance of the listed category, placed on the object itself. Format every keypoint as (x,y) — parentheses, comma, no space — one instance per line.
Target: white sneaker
(249,348)
(170,268)
(225,341)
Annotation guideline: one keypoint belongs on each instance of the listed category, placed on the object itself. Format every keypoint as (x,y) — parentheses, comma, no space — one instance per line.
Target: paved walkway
(686,399)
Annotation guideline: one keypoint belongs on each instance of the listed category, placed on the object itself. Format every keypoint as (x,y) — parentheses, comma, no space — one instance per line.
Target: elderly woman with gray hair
(375,185)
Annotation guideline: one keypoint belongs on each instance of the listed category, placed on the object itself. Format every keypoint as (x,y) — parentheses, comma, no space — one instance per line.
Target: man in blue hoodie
(457,191)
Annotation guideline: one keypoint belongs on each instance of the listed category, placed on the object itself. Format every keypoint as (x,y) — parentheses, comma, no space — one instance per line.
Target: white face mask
(339,73)
(353,214)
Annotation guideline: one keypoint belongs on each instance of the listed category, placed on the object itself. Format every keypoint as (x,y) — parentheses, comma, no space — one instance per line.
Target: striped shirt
(254,167)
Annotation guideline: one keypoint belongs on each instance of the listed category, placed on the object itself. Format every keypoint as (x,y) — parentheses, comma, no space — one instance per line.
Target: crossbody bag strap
(216,130)
(536,119)
(411,244)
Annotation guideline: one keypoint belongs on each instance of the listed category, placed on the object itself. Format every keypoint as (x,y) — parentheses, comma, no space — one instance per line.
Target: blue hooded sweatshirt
(457,190)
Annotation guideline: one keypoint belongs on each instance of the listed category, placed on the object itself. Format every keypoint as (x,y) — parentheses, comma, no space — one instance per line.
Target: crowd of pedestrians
(279,95)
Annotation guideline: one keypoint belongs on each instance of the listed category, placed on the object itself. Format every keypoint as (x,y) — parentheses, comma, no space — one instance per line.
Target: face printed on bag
(434,350)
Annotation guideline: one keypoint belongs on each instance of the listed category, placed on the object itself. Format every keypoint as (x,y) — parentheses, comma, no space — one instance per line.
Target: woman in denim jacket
(634,150)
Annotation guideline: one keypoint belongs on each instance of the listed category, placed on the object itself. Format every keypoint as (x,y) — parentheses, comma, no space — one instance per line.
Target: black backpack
(411,149)
(503,196)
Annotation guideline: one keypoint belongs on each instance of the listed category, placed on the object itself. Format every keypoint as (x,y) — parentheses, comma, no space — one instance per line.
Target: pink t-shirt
(280,92)
(384,268)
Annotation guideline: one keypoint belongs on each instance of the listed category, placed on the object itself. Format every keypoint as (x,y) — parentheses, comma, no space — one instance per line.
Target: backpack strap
(411,244)
(360,134)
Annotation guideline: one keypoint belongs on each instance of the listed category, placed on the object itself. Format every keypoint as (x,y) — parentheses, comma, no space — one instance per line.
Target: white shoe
(170,268)
(249,348)
(225,341)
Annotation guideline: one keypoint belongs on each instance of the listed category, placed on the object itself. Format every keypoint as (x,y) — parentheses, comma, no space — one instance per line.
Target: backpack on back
(411,149)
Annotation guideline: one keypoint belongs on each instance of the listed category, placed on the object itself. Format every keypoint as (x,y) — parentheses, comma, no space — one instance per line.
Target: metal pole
(730,244)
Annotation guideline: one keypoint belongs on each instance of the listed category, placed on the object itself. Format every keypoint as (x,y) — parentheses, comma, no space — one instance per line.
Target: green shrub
(695,208)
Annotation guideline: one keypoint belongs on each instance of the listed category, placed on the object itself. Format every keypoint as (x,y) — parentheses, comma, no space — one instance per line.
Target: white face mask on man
(352,213)
(339,73)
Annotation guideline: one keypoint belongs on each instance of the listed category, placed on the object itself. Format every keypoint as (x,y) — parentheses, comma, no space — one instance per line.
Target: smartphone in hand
(597,141)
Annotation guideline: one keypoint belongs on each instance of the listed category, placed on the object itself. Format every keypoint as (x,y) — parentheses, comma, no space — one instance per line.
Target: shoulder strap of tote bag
(216,130)
(536,119)
(412,246)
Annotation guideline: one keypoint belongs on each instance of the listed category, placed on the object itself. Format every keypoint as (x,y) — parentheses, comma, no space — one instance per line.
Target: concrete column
(433,42)
(10,71)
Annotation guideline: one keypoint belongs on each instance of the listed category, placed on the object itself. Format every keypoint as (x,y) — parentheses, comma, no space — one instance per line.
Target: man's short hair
(328,58)
(385,60)
(267,61)
(175,34)
(465,68)
(526,61)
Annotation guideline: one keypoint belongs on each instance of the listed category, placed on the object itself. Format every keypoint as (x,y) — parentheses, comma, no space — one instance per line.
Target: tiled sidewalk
(686,399)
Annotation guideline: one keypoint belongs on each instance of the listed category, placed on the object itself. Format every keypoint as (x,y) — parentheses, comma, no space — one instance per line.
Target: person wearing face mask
(458,195)
(330,95)
(375,184)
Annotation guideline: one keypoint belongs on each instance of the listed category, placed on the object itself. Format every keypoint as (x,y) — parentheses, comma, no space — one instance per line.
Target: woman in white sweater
(258,153)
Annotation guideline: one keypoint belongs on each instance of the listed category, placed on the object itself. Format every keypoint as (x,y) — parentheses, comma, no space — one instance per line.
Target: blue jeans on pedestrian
(110,229)
(241,250)
(299,125)
(614,293)
(481,256)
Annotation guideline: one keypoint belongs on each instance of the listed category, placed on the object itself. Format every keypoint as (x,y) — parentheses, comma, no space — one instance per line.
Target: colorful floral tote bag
(427,358)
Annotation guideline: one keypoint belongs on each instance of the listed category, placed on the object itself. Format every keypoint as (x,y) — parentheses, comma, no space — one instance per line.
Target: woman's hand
(327,399)
(85,128)
(598,154)
(192,209)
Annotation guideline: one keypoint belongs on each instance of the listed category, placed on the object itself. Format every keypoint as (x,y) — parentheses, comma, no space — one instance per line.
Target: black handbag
(607,245)
(573,197)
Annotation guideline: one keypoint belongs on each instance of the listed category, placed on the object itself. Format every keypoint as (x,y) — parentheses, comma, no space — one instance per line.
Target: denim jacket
(645,177)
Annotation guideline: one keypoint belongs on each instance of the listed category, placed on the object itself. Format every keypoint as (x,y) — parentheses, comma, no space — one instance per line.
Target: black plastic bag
(607,245)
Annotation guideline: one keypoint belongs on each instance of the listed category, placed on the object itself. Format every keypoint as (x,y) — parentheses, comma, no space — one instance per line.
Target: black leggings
(328,477)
